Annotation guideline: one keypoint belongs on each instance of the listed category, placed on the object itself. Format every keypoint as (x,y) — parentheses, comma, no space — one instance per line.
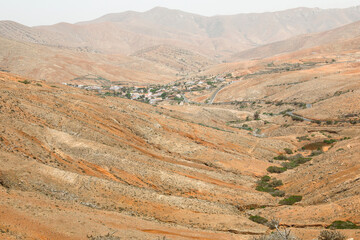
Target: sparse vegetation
(291,200)
(246,127)
(295,161)
(265,178)
(343,225)
(108,236)
(151,161)
(275,169)
(288,151)
(289,165)
(266,184)
(279,234)
(329,122)
(303,138)
(276,236)
(256,115)
(281,157)
(25,82)
(331,235)
(296,118)
(316,153)
(258,219)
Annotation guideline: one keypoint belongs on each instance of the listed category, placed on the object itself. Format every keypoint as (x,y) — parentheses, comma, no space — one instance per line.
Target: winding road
(213,96)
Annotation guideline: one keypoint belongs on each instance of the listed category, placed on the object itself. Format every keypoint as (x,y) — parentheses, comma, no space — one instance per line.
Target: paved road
(213,96)
(186,100)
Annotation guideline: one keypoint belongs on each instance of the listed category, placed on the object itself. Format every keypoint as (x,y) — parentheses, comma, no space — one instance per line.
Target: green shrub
(296,118)
(290,165)
(258,219)
(25,82)
(264,189)
(275,169)
(343,225)
(269,186)
(288,151)
(277,193)
(316,153)
(295,161)
(299,159)
(256,116)
(331,141)
(303,138)
(265,178)
(246,127)
(280,157)
(275,183)
(290,200)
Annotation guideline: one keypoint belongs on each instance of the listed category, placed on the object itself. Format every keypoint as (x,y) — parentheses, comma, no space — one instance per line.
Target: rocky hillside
(95,165)
(98,166)
(181,60)
(62,65)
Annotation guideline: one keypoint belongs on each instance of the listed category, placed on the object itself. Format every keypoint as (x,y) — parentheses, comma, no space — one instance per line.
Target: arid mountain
(120,165)
(63,65)
(151,40)
(228,147)
(19,32)
(180,60)
(97,166)
(325,76)
(217,37)
(334,36)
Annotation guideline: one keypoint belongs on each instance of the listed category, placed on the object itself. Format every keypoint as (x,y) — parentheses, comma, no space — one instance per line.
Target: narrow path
(251,150)
(298,116)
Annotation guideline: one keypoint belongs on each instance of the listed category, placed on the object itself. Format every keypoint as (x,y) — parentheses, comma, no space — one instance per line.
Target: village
(173,93)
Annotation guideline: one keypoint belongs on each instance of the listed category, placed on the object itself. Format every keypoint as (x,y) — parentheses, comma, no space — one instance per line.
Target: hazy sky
(45,12)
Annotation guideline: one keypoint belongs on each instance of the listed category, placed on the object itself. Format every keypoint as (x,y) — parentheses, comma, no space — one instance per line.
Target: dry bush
(278,234)
(106,237)
(331,235)
(282,235)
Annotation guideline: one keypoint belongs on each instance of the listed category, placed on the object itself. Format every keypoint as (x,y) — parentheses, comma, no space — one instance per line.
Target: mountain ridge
(301,42)
(218,37)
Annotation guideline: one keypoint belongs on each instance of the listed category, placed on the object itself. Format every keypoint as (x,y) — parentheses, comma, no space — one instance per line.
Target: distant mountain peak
(159,9)
(217,37)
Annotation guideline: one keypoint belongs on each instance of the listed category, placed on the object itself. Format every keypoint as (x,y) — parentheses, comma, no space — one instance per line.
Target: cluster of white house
(151,94)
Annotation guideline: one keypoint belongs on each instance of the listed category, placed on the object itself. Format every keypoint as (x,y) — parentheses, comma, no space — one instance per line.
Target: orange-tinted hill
(95,165)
